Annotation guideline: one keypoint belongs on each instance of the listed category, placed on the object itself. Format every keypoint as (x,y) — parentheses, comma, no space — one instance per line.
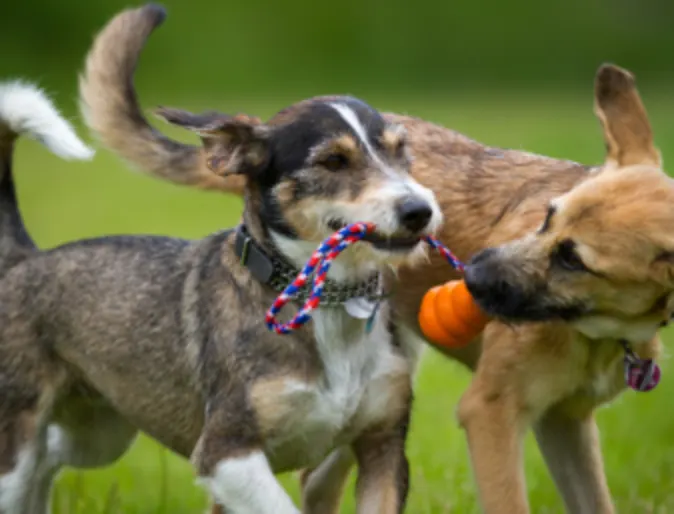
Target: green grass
(65,201)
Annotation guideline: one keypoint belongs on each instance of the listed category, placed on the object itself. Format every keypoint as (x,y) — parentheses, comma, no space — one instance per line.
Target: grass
(65,201)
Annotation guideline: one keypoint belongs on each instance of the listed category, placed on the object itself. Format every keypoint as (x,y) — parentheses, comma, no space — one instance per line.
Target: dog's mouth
(389,243)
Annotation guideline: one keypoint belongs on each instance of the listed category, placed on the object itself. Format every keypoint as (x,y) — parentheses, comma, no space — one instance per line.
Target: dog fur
(24,110)
(102,338)
(551,370)
(552,355)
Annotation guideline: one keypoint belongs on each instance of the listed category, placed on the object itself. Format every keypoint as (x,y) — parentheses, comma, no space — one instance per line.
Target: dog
(104,337)
(575,265)
(580,277)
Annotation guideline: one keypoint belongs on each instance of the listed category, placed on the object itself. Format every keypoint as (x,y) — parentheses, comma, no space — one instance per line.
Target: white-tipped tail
(25,109)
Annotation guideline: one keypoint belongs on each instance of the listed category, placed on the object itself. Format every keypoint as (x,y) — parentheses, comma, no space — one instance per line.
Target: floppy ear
(627,131)
(232,144)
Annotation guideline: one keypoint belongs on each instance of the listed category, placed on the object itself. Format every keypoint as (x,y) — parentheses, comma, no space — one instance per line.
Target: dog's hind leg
(81,435)
(87,433)
(570,447)
(23,456)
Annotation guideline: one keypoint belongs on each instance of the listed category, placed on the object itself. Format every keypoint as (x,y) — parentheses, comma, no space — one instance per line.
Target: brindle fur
(547,373)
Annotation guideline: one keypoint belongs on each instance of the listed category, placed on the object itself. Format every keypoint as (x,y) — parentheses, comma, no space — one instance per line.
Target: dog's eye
(335,162)
(567,258)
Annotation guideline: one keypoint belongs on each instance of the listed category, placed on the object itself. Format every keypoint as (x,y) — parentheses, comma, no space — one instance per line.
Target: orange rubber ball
(449,316)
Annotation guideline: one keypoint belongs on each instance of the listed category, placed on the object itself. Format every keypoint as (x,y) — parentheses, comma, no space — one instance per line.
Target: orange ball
(449,316)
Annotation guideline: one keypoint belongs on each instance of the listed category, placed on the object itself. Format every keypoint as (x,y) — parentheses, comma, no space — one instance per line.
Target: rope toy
(322,259)
(448,315)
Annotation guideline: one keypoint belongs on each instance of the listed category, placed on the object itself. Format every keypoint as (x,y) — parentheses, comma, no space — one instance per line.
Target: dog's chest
(359,385)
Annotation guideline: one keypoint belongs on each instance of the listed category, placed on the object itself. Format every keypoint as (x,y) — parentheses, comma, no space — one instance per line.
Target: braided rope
(322,258)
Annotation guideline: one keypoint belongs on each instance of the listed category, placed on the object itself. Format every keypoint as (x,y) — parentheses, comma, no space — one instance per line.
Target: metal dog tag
(360,307)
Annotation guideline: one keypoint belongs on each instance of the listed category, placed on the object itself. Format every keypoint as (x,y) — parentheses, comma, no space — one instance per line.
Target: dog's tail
(25,110)
(110,106)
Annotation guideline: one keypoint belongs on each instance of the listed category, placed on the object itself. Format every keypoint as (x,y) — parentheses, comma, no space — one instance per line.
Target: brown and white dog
(590,265)
(102,338)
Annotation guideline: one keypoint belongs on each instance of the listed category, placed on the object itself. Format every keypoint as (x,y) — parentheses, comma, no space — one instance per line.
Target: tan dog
(596,269)
(590,266)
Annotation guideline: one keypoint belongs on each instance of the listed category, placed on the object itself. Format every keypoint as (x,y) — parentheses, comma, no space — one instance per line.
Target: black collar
(277,273)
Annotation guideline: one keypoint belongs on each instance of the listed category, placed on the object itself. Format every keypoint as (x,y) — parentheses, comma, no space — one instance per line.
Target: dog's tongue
(642,375)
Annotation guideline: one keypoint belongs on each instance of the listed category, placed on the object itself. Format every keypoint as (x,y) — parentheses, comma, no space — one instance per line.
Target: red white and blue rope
(322,258)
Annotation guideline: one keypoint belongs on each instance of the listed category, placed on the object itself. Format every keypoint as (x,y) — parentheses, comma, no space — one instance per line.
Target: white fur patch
(14,485)
(359,388)
(24,109)
(399,184)
(352,120)
(246,485)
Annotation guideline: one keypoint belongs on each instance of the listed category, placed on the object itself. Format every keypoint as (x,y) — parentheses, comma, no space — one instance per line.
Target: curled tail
(110,106)
(25,110)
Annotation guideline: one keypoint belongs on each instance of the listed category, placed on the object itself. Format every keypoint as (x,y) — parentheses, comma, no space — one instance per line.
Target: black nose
(414,214)
(478,280)
(484,278)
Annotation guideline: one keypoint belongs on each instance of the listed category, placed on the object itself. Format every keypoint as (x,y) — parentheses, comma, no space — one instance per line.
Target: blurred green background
(515,74)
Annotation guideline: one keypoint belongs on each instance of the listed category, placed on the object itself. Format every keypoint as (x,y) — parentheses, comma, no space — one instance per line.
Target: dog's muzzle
(501,293)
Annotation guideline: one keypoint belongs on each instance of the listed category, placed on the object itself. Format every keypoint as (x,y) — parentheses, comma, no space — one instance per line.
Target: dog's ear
(627,131)
(232,144)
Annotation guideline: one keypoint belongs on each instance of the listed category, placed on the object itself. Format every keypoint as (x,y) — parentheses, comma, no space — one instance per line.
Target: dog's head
(603,257)
(317,166)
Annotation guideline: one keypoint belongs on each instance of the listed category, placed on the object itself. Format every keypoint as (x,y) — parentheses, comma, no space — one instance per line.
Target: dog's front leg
(243,483)
(495,429)
(570,446)
(234,469)
(383,471)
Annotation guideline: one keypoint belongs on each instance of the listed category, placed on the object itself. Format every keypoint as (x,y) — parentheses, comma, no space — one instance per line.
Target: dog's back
(24,109)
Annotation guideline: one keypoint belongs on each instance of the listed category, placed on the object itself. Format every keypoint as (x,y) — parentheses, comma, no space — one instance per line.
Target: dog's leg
(245,484)
(495,429)
(383,470)
(88,434)
(79,437)
(570,446)
(232,465)
(25,413)
(22,490)
(16,483)
(45,472)
(323,486)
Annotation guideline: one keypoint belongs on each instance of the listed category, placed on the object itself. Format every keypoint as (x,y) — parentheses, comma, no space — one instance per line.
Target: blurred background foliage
(263,46)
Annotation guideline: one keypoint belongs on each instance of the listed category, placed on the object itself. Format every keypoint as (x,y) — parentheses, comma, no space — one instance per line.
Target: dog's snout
(486,280)
(414,214)
(479,280)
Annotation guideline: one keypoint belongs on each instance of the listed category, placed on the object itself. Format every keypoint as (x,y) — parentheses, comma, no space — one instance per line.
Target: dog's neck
(276,260)
(635,331)
(344,270)
(348,269)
